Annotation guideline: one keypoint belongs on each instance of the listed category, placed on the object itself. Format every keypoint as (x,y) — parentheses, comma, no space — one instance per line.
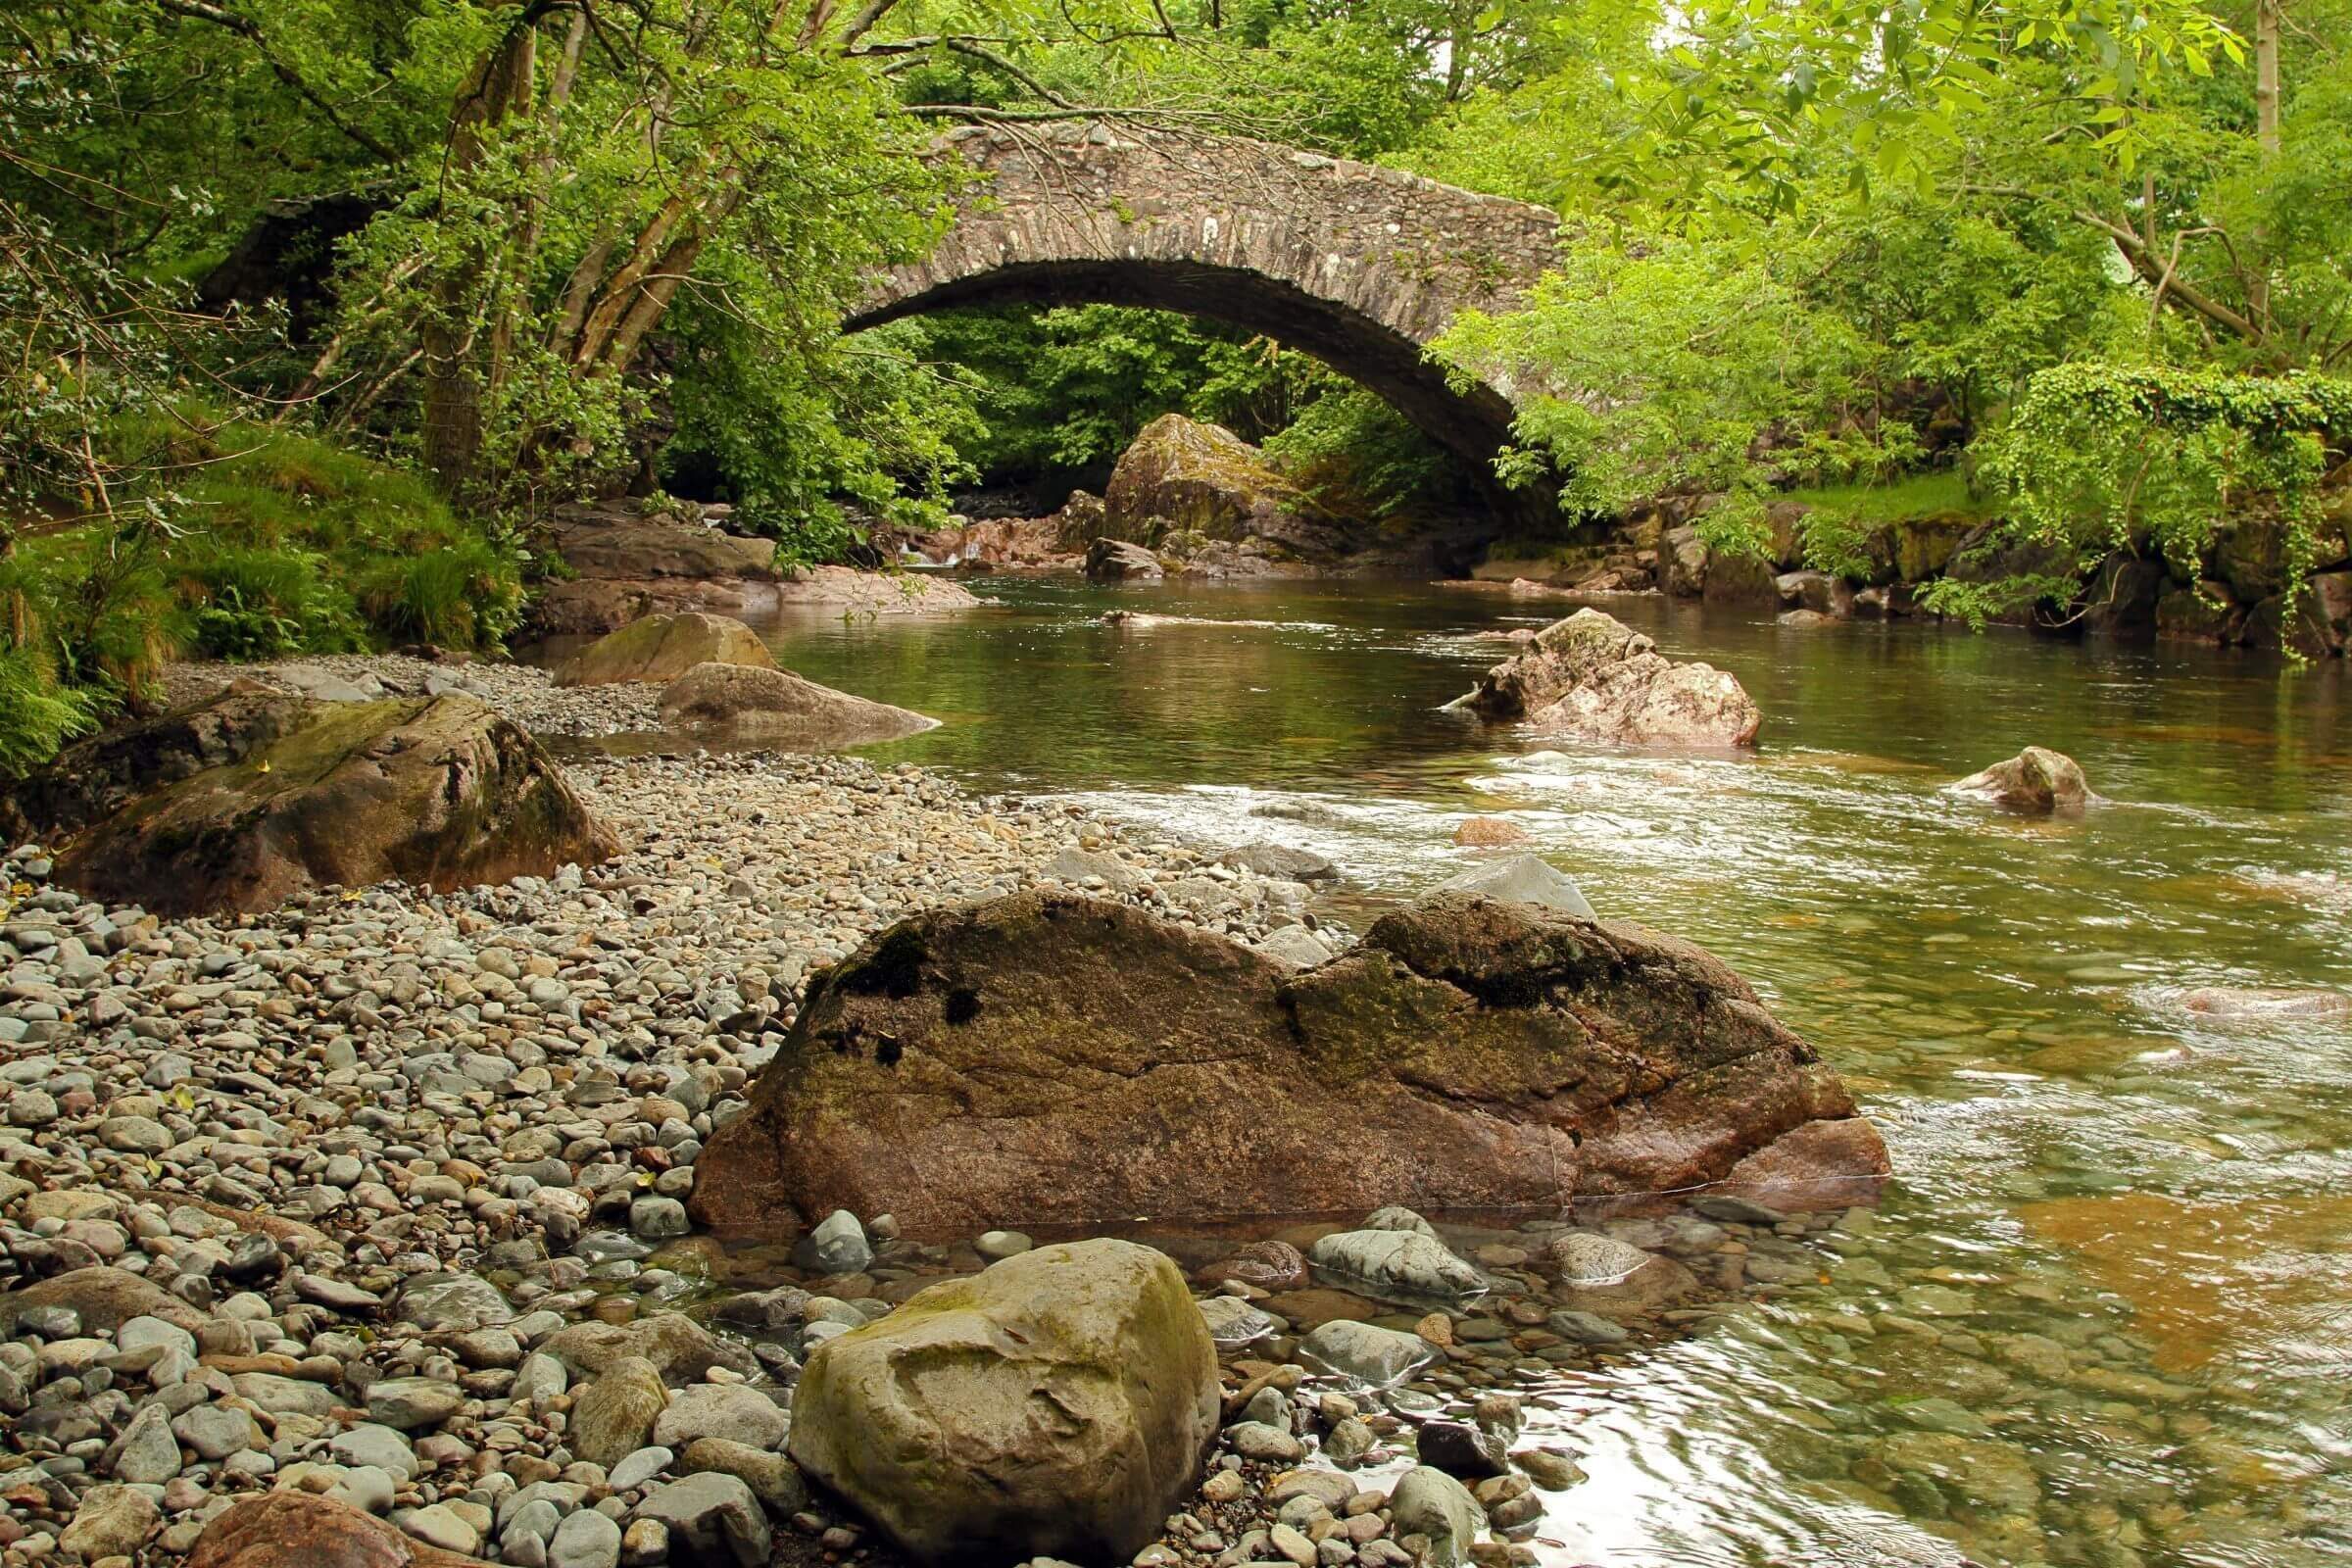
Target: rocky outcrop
(1592,677)
(1118,560)
(1053,1058)
(1181,476)
(778,708)
(663,648)
(1056,1404)
(2037,782)
(1003,543)
(255,800)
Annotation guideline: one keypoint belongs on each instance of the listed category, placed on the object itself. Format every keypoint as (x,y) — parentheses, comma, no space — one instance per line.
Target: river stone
(614,1416)
(1267,1266)
(680,1349)
(1118,560)
(2036,781)
(1522,879)
(294,1529)
(1052,1058)
(1430,1503)
(837,1246)
(110,1522)
(1397,1264)
(451,1304)
(713,1521)
(150,1454)
(732,1412)
(663,648)
(1294,945)
(1581,1257)
(373,1444)
(1232,1321)
(1378,1357)
(439,790)
(778,708)
(585,1540)
(216,1431)
(773,1479)
(1592,677)
(1057,1403)
(1280,860)
(101,1298)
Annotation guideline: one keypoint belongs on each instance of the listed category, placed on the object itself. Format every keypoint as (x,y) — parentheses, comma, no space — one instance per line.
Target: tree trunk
(2266,136)
(455,378)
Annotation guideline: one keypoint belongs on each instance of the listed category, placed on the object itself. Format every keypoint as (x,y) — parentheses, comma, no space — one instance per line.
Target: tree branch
(250,31)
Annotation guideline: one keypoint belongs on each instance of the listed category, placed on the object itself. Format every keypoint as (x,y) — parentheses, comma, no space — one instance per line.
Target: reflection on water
(2119,1240)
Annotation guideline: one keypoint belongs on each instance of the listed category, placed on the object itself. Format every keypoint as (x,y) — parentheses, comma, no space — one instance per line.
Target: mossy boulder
(1592,677)
(1055,1059)
(1917,548)
(661,648)
(778,708)
(1184,475)
(1056,1404)
(439,790)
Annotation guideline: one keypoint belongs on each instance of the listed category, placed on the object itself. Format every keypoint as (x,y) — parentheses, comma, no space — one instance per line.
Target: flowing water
(2103,1315)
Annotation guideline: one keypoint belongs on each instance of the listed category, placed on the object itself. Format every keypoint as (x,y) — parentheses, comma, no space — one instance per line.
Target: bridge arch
(1361,267)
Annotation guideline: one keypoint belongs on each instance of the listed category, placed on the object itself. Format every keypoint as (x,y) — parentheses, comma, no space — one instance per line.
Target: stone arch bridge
(1359,265)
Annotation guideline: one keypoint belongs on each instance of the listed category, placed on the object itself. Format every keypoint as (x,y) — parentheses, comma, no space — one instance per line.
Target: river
(2119,1245)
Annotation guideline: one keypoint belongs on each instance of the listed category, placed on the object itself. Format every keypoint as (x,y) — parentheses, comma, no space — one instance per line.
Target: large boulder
(1056,1404)
(2037,781)
(1056,1058)
(1592,677)
(745,702)
(1181,476)
(437,789)
(661,648)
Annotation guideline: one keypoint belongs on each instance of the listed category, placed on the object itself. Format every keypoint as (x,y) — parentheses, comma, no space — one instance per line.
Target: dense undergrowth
(260,543)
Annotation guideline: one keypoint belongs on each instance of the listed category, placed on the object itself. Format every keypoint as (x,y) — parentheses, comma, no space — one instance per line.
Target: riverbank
(367,1198)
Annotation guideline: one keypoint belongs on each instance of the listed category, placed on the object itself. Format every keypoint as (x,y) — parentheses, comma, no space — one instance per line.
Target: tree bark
(456,379)
(2266,137)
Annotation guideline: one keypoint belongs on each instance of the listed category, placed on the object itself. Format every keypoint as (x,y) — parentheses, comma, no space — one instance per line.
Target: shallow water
(2121,1234)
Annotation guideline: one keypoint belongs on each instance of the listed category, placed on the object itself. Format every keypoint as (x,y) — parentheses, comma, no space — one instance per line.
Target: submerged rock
(1059,1405)
(1592,677)
(2036,781)
(775,706)
(1052,1057)
(663,648)
(2266,1001)
(438,789)
(1362,1352)
(1396,1264)
(1488,833)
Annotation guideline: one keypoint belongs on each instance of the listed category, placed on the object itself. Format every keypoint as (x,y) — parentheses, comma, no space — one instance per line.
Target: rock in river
(1051,1058)
(437,789)
(1057,1403)
(661,648)
(1396,1264)
(778,708)
(1595,678)
(2036,781)
(1117,560)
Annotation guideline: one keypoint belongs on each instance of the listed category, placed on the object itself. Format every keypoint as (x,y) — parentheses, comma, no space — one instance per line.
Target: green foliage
(2098,458)
(1673,368)
(1363,458)
(796,442)
(37,716)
